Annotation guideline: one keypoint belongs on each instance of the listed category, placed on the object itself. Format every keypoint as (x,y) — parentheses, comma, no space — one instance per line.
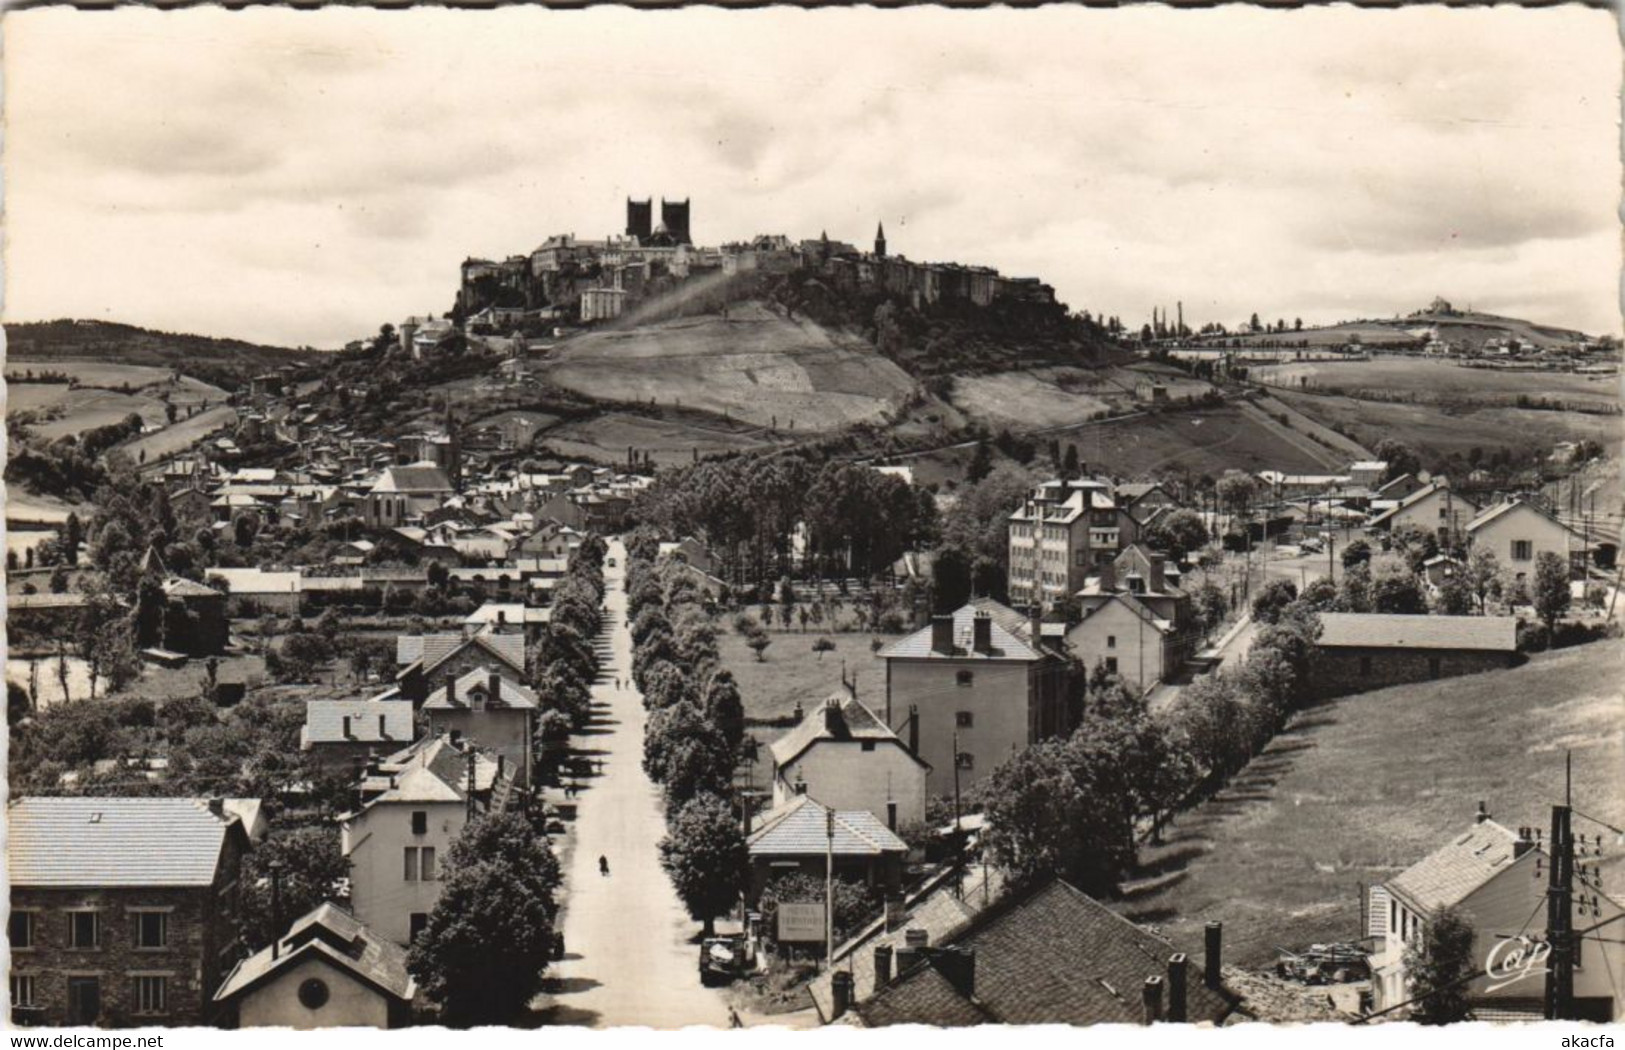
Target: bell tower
(880,240)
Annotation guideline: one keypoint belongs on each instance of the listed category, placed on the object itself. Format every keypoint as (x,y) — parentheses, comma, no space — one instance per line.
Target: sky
(303,177)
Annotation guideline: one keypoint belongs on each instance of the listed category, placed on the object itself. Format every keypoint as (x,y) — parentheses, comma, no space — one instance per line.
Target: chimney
(375,765)
(882,966)
(451,687)
(895,913)
(348,735)
(217,806)
(959,966)
(1178,972)
(798,713)
(1483,813)
(1151,998)
(1214,950)
(942,634)
(1108,576)
(917,938)
(982,633)
(840,990)
(1525,842)
(383,728)
(502,617)
(1035,623)
(891,815)
(913,729)
(833,722)
(494,684)
(1158,565)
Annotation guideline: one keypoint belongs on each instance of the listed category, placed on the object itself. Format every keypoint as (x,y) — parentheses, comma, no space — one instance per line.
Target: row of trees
(695,727)
(564,664)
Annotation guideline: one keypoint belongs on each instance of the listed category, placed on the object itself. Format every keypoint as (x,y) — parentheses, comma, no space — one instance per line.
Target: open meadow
(790,672)
(1428,378)
(1362,787)
(670,442)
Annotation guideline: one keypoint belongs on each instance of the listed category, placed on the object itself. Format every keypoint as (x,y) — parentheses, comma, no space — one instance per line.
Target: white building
(843,755)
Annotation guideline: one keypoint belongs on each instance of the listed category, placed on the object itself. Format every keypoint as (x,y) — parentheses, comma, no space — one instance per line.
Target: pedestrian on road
(733,1019)
(603,865)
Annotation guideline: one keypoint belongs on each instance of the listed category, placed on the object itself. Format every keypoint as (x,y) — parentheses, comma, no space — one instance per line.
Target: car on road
(723,960)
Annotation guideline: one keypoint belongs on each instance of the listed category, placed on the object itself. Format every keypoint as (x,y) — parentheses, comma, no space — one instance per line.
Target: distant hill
(1466,327)
(224,362)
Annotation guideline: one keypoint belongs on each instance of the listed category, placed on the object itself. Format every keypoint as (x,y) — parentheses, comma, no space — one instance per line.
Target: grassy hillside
(1439,382)
(1360,788)
(755,366)
(224,362)
(1475,329)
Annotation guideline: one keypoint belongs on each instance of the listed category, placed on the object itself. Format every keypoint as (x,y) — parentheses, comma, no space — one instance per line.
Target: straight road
(628,958)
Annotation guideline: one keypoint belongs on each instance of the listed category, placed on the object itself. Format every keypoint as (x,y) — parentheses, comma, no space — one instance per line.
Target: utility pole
(276,902)
(1560,907)
(471,782)
(956,782)
(829,888)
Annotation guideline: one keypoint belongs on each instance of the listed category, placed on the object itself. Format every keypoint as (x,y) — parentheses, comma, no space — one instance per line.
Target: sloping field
(606,438)
(88,408)
(1203,441)
(754,366)
(1360,788)
(1440,431)
(176,439)
(1055,396)
(101,399)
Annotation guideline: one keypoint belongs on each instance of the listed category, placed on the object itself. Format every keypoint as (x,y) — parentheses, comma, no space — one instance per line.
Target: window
(1111,641)
(313,993)
(1365,667)
(965,760)
(84,930)
(419,864)
(420,922)
(420,822)
(1433,667)
(151,994)
(964,719)
(1080,558)
(868,745)
(965,677)
(20,931)
(1111,665)
(22,989)
(1522,550)
(151,929)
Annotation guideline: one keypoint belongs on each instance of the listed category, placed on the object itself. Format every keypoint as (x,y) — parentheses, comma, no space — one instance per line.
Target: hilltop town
(890,630)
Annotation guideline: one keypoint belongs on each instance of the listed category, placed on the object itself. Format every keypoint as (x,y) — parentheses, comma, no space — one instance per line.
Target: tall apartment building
(1059,534)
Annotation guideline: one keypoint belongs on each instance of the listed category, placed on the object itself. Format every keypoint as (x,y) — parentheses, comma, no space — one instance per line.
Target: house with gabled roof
(1433,508)
(1496,878)
(1357,652)
(414,806)
(343,734)
(845,756)
(427,658)
(1050,955)
(975,691)
(1518,532)
(795,839)
(488,707)
(328,971)
(123,910)
(405,493)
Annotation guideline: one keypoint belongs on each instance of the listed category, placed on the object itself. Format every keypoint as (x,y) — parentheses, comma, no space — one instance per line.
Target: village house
(1050,955)
(1134,621)
(343,734)
(415,804)
(1433,508)
(844,756)
(1358,652)
(406,493)
(123,910)
(425,659)
(1496,879)
(327,971)
(1517,532)
(976,693)
(201,627)
(488,708)
(1057,537)
(794,838)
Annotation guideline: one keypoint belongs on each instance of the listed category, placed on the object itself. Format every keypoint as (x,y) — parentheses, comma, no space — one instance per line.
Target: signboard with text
(801,922)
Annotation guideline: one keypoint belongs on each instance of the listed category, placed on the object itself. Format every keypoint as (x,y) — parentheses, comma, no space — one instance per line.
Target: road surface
(629,960)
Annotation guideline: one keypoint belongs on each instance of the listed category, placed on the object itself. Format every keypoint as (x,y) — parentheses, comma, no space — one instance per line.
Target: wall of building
(843,776)
(350,1004)
(505,731)
(1114,632)
(1341,671)
(1523,523)
(375,842)
(997,700)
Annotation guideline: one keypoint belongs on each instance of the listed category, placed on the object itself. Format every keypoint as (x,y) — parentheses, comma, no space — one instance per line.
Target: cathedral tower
(880,240)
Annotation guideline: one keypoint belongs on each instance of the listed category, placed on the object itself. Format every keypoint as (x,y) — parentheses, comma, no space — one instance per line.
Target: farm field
(1408,375)
(180,436)
(96,403)
(607,437)
(1442,431)
(1203,441)
(754,366)
(1055,396)
(1360,788)
(790,671)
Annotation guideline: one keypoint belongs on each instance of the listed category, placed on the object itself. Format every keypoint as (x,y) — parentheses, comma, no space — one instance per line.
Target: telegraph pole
(1560,908)
(829,887)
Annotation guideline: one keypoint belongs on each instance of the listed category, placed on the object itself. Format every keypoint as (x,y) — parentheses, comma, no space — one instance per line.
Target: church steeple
(880,240)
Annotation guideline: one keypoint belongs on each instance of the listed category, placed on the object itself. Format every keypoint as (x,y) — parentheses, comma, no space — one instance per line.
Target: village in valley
(794,633)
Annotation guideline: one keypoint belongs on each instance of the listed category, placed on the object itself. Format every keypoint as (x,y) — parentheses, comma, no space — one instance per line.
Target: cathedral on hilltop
(673,228)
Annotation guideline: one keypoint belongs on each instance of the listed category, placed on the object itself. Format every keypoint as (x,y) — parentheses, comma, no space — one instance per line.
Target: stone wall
(1357,669)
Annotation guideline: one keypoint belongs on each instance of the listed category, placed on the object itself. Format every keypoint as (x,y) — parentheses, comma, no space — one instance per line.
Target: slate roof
(510,694)
(430,770)
(799,827)
(1448,874)
(1051,956)
(96,842)
(1507,506)
(414,478)
(434,649)
(1394,631)
(923,996)
(324,722)
(1418,496)
(855,722)
(333,936)
(1006,646)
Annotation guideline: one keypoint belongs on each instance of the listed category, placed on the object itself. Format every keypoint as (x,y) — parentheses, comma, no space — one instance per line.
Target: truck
(723,960)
